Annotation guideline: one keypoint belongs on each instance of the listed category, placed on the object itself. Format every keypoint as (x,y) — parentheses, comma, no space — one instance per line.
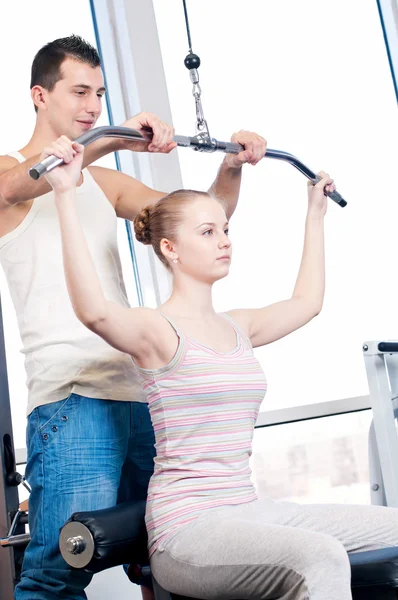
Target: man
(90,441)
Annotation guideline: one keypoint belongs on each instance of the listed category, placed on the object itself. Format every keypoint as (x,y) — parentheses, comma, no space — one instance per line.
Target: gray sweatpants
(272,550)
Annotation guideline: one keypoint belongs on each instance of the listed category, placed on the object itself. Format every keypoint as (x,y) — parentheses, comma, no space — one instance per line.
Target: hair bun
(142,226)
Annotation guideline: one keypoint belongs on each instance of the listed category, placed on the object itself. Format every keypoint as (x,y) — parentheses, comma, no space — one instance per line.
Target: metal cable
(187,25)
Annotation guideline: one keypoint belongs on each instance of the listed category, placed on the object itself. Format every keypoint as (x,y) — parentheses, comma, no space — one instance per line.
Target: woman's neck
(191,300)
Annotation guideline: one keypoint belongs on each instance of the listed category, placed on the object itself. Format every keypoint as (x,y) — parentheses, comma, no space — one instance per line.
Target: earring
(175,260)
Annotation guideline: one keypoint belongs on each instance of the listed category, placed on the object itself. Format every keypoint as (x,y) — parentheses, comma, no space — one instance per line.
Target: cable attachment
(192,63)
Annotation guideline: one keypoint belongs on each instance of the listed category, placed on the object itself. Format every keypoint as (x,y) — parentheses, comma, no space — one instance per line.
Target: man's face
(75,103)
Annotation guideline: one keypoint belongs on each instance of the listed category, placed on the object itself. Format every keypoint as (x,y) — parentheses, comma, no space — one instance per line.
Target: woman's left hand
(317,198)
(66,176)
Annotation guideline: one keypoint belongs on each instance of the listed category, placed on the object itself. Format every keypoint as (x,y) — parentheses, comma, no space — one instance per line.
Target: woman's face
(203,247)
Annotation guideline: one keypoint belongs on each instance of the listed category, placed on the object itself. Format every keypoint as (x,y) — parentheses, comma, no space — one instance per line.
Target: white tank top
(61,355)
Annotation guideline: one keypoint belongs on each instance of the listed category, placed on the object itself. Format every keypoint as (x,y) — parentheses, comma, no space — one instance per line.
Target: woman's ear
(168,250)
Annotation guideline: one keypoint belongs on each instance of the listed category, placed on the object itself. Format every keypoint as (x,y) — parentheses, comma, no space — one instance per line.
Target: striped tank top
(203,405)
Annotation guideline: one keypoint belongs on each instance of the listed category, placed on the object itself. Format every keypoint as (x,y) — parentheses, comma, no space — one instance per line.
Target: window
(315,84)
(321,460)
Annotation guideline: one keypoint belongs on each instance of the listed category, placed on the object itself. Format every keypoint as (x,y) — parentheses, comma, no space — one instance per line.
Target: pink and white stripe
(203,405)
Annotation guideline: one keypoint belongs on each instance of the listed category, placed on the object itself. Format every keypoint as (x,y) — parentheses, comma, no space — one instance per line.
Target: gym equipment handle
(388,347)
(197,143)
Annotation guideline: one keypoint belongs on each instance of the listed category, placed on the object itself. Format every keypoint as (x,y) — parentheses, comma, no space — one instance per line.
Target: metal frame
(8,495)
(123,40)
(308,412)
(388,12)
(377,492)
(110,110)
(381,362)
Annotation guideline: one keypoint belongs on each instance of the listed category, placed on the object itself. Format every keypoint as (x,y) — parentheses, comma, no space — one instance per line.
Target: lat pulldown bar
(198,143)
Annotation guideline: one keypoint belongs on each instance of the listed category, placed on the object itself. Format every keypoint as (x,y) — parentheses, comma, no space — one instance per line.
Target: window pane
(322,460)
(315,84)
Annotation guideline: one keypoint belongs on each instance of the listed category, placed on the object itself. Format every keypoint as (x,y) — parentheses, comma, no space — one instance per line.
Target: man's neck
(42,136)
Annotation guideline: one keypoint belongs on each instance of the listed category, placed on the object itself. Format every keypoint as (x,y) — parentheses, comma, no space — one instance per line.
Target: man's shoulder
(105,172)
(107,180)
(7,162)
(105,176)
(110,181)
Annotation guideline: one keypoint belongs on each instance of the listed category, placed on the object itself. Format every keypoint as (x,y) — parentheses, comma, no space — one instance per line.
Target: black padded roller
(119,536)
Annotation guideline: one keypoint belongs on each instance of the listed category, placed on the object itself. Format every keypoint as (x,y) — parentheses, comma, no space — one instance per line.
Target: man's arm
(127,195)
(16,185)
(132,196)
(227,186)
(228,180)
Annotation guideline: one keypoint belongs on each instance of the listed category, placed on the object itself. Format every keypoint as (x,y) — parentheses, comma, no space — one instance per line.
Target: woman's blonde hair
(161,220)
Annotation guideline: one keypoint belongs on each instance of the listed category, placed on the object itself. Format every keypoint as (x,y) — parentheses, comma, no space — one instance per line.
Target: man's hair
(46,66)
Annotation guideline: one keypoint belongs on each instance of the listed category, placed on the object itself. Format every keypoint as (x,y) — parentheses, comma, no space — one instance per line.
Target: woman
(209,535)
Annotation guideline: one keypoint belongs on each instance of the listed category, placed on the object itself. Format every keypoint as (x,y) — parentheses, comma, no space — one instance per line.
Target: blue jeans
(83,454)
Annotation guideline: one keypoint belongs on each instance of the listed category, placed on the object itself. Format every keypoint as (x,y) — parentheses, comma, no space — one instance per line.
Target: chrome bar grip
(46,165)
(197,143)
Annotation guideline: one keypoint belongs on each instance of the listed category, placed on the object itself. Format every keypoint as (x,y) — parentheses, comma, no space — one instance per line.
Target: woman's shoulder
(241,318)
